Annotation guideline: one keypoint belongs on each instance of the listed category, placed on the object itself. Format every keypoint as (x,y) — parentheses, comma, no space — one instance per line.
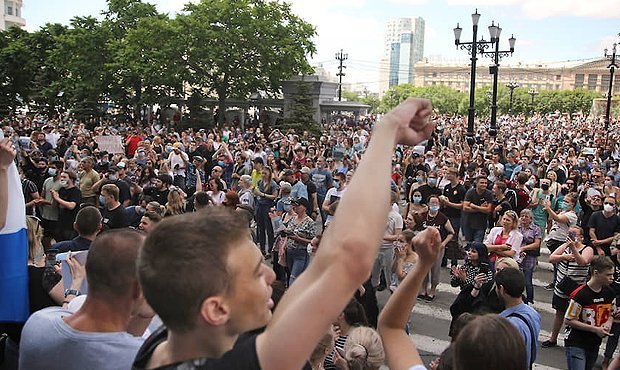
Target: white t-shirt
(332,196)
(178,159)
(394,221)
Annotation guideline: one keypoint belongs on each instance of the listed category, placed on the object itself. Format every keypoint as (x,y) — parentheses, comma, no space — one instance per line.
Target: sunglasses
(611,204)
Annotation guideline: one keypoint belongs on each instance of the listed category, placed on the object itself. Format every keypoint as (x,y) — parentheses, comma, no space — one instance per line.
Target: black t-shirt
(604,227)
(76,244)
(455,195)
(427,190)
(29,188)
(241,357)
(66,217)
(311,186)
(160,196)
(592,308)
(477,220)
(114,219)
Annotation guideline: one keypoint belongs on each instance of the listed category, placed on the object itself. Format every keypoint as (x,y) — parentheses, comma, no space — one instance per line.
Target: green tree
(17,69)
(235,48)
(81,56)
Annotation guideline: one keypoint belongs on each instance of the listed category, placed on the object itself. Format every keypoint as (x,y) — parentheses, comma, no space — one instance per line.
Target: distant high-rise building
(404,47)
(11,14)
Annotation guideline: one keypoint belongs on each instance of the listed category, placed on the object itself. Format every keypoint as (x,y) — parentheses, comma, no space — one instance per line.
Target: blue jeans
(472,235)
(384,262)
(580,359)
(296,261)
(529,265)
(264,226)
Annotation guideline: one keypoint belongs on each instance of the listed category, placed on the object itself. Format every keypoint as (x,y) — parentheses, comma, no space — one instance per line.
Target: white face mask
(63,183)
(608,208)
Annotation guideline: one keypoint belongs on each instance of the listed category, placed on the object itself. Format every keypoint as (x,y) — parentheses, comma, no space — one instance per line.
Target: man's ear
(215,311)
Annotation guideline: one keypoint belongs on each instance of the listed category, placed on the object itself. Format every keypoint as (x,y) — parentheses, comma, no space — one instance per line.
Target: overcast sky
(546,30)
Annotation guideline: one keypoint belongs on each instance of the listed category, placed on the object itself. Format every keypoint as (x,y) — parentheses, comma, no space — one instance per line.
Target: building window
(579,81)
(604,82)
(9,10)
(592,79)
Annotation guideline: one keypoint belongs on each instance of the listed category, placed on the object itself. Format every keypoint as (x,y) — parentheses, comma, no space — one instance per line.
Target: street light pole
(472,47)
(532,93)
(512,85)
(612,67)
(341,57)
(496,54)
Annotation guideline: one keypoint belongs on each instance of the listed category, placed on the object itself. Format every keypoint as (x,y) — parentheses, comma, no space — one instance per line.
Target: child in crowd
(405,260)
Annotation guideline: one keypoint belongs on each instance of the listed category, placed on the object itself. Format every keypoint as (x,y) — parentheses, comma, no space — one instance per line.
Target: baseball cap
(120,165)
(302,201)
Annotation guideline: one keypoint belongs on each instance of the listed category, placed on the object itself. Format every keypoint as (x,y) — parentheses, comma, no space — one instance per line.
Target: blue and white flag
(14,254)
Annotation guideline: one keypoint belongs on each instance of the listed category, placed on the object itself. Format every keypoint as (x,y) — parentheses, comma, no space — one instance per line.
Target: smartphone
(572,236)
(50,255)
(484,267)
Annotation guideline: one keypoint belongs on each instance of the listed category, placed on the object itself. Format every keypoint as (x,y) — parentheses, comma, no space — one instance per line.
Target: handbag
(280,247)
(567,285)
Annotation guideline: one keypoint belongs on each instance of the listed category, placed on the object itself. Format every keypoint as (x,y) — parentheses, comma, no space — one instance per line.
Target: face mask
(564,206)
(544,187)
(220,163)
(52,171)
(530,183)
(319,167)
(112,178)
(432,181)
(433,208)
(581,162)
(101,200)
(608,208)
(54,158)
(417,199)
(336,184)
(609,183)
(287,207)
(564,191)
(63,183)
(418,179)
(168,148)
(140,154)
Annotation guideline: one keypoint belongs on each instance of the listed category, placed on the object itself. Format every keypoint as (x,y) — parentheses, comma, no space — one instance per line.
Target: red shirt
(132,144)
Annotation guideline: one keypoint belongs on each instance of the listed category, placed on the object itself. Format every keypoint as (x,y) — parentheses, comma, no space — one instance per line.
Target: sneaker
(421,297)
(548,344)
(429,298)
(549,287)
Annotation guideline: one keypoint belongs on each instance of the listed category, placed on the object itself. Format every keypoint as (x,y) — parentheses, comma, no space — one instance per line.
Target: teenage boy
(214,285)
(590,315)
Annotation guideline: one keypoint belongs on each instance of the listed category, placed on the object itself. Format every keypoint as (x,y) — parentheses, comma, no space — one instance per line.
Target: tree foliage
(135,56)
(449,101)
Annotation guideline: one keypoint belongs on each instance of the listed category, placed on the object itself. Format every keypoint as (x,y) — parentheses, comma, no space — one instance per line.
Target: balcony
(14,21)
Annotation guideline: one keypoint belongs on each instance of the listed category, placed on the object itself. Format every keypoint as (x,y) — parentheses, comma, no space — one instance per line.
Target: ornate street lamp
(480,46)
(512,85)
(532,93)
(612,67)
(497,55)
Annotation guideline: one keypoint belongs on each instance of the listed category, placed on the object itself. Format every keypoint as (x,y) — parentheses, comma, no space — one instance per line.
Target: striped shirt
(577,273)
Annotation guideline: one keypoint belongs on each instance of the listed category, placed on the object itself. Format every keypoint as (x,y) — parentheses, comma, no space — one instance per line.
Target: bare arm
(7,155)
(400,352)
(349,246)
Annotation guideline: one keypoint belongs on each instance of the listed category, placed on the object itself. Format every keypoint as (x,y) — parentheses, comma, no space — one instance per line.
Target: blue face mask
(169,148)
(418,179)
(417,199)
(287,207)
(432,181)
(434,208)
(564,206)
(336,184)
(220,163)
(102,200)
(51,171)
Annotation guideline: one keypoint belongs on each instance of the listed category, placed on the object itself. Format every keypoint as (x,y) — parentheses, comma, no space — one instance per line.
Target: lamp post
(341,57)
(497,55)
(612,67)
(532,93)
(489,99)
(512,85)
(480,46)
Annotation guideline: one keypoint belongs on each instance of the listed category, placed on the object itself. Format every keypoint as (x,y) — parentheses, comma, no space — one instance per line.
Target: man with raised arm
(212,284)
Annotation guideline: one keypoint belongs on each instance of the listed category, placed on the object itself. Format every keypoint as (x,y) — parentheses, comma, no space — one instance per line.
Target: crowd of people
(235,239)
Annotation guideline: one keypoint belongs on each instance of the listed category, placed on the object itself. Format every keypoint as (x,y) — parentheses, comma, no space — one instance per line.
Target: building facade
(591,74)
(11,15)
(403,48)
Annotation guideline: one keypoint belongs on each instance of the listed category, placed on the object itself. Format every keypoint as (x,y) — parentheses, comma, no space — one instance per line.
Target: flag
(14,254)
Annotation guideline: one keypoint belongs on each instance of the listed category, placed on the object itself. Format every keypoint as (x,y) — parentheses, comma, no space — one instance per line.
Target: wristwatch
(74,292)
